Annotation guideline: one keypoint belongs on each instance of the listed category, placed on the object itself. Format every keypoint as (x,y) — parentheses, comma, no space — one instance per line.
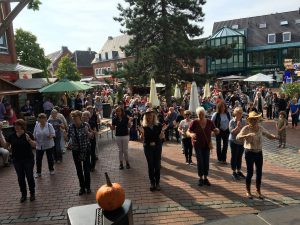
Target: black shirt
(179,118)
(152,134)
(21,148)
(121,125)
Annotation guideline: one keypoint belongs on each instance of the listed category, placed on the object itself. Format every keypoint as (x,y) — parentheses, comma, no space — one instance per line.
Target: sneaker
(186,162)
(200,182)
(235,176)
(152,187)
(52,172)
(283,146)
(206,182)
(32,197)
(157,187)
(279,146)
(37,175)
(127,166)
(191,163)
(121,167)
(240,174)
(81,191)
(23,199)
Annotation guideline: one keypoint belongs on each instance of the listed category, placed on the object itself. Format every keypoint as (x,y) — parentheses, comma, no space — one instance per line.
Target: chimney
(89,49)
(64,48)
(110,37)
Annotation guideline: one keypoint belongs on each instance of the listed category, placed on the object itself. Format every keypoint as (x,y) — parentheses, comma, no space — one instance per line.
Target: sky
(80,24)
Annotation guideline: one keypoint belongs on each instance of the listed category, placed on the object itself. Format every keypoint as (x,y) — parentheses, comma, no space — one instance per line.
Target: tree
(163,39)
(67,69)
(30,53)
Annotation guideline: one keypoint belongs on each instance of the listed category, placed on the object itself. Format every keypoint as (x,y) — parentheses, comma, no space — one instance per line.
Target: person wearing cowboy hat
(251,135)
(152,133)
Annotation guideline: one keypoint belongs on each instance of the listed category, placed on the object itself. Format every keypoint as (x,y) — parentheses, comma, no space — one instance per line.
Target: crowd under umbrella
(194,98)
(177,93)
(153,98)
(65,85)
(259,77)
(207,92)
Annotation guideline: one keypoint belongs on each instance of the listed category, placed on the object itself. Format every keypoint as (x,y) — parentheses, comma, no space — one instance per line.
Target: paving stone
(6,221)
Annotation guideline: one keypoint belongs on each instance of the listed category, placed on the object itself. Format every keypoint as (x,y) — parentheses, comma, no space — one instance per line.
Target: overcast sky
(79,24)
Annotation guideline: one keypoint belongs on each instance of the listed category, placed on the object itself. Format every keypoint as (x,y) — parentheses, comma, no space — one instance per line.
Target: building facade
(55,58)
(83,60)
(260,43)
(111,57)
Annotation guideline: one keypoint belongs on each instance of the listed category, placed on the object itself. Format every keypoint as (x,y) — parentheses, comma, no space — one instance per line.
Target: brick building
(55,58)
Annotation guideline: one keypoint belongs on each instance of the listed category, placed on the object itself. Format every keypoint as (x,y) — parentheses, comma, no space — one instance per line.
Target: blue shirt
(293,108)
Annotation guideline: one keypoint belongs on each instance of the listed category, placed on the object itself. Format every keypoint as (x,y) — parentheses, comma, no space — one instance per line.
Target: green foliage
(67,70)
(30,53)
(34,5)
(163,39)
(292,89)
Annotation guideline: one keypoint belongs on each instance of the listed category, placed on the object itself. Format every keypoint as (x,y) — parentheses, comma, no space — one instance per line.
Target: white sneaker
(37,175)
(52,172)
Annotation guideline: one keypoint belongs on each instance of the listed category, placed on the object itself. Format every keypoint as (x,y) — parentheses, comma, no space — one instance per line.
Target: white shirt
(41,136)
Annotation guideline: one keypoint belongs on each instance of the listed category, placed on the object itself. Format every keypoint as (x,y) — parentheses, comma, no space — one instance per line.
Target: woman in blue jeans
(237,148)
(152,132)
(251,135)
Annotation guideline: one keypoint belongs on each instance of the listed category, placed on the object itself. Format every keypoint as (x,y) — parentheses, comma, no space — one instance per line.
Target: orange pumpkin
(110,196)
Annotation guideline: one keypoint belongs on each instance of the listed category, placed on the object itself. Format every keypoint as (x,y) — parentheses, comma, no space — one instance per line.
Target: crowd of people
(234,119)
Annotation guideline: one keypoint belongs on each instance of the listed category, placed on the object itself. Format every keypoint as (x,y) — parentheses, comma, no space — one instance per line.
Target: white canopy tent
(194,98)
(259,78)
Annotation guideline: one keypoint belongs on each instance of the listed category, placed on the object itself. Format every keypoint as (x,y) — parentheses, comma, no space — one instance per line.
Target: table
(86,214)
(8,130)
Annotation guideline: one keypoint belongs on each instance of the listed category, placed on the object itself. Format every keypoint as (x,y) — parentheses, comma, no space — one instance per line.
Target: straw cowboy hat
(253,115)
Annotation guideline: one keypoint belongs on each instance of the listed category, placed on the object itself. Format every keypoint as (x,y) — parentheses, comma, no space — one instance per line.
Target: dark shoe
(81,191)
(88,191)
(32,197)
(235,176)
(92,169)
(127,166)
(200,183)
(206,182)
(23,199)
(158,187)
(121,167)
(152,187)
(248,192)
(241,175)
(96,158)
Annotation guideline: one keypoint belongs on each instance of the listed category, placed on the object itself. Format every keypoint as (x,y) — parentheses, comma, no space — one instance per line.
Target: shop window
(284,22)
(271,38)
(235,26)
(3,44)
(297,21)
(286,36)
(262,25)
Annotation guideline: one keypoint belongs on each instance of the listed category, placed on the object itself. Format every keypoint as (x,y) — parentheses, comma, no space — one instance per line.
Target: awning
(17,92)
(34,83)
(7,67)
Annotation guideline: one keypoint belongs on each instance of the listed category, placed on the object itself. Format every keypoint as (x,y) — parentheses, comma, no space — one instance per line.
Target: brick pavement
(180,201)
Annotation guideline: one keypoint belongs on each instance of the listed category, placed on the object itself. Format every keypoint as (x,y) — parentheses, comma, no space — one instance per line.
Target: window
(262,25)
(271,38)
(284,22)
(3,44)
(235,26)
(297,21)
(286,36)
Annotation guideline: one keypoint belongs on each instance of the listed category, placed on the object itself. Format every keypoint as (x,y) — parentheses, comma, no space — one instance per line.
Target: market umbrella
(177,93)
(259,78)
(63,86)
(153,94)
(231,78)
(194,98)
(206,90)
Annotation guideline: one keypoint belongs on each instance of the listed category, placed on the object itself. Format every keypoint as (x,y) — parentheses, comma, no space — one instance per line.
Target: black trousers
(269,112)
(254,158)
(202,156)
(24,169)
(57,152)
(153,156)
(83,170)
(39,159)
(188,149)
(222,151)
(93,153)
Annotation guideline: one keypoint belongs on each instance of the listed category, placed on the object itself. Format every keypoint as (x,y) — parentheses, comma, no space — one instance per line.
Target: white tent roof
(259,78)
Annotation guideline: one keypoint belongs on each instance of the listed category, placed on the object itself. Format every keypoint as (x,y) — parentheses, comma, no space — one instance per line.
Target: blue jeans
(251,159)
(202,156)
(24,169)
(236,156)
(153,156)
(222,151)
